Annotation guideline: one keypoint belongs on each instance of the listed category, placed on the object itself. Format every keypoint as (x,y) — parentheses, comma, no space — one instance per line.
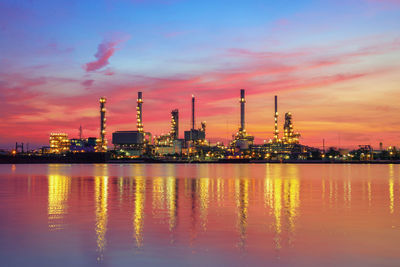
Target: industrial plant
(139,145)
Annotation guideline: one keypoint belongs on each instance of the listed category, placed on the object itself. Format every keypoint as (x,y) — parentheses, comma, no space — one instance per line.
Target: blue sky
(296,49)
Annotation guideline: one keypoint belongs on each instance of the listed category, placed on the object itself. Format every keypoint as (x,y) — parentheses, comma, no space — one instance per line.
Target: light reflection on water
(201,214)
(59,189)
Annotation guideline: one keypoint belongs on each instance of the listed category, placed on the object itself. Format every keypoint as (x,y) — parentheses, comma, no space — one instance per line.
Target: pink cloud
(87,83)
(104,51)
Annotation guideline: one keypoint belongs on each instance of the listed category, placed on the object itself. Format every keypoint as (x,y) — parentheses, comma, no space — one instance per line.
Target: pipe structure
(276,131)
(103,145)
(139,122)
(193,121)
(242,102)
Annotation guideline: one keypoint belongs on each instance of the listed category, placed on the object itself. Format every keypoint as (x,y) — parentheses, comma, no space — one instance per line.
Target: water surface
(199,215)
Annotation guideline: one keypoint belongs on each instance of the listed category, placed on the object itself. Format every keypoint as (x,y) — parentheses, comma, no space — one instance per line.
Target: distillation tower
(174,133)
(139,121)
(276,131)
(289,136)
(103,141)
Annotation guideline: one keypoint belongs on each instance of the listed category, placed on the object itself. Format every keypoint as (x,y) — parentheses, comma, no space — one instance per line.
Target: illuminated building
(83,145)
(242,140)
(59,143)
(103,142)
(77,145)
(289,136)
(133,143)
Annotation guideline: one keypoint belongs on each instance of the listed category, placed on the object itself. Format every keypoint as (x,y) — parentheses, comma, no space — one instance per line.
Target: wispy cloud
(104,52)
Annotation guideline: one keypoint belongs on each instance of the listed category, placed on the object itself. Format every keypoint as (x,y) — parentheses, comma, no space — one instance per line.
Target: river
(199,215)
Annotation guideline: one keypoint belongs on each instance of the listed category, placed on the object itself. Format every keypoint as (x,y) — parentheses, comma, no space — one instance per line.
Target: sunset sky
(334,64)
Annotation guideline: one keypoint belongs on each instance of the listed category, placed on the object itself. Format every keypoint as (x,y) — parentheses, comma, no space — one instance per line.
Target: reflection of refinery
(58,191)
(198,206)
(101,198)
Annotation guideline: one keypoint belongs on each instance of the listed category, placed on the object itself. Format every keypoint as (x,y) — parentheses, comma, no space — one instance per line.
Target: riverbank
(90,158)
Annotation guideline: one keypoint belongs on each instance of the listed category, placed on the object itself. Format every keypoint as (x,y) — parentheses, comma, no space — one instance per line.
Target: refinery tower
(103,141)
(242,140)
(139,121)
(195,135)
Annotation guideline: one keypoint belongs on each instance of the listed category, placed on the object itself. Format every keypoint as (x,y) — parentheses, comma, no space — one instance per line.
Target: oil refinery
(139,145)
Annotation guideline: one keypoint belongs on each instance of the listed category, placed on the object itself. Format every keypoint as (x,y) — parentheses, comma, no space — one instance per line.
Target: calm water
(201,215)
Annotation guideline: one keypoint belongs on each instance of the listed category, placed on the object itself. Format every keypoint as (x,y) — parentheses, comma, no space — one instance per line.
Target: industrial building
(127,139)
(133,143)
(59,143)
(140,144)
(83,145)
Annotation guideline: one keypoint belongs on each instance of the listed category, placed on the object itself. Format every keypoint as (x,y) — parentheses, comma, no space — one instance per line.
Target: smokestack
(139,122)
(276,132)
(103,145)
(242,101)
(193,121)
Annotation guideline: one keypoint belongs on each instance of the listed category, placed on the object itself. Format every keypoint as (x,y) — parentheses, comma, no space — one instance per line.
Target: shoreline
(103,159)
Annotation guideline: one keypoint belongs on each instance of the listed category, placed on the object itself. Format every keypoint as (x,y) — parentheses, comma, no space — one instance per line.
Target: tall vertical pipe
(103,145)
(242,102)
(193,121)
(276,132)
(139,122)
